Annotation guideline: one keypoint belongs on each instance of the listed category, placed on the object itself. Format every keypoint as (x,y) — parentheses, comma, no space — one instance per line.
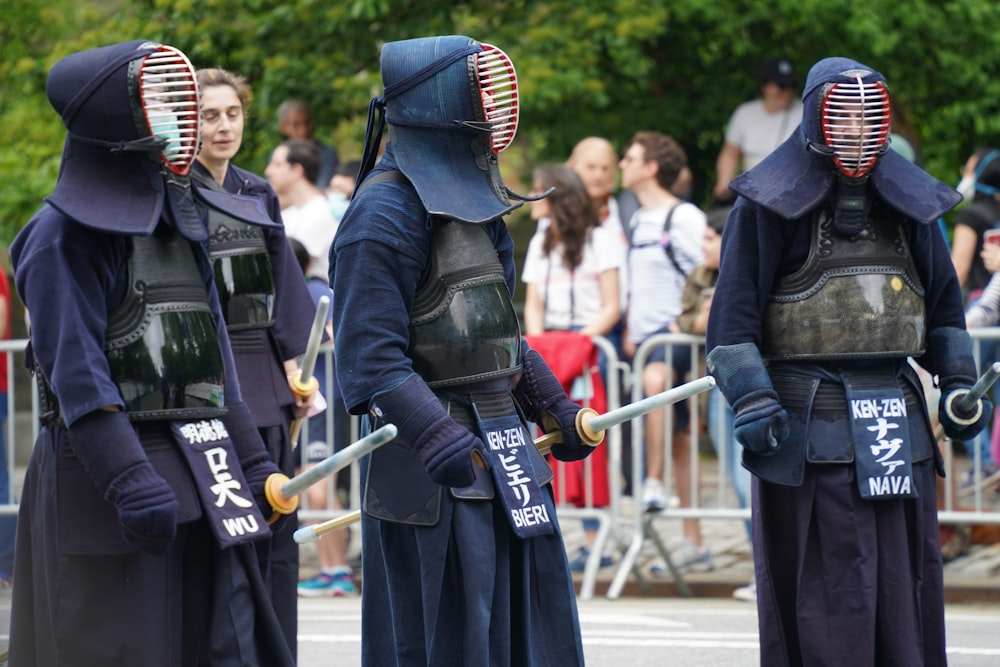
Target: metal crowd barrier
(623,525)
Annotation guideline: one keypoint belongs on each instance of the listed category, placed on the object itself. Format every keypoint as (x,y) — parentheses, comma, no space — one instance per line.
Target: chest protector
(463,327)
(854,298)
(161,341)
(243,275)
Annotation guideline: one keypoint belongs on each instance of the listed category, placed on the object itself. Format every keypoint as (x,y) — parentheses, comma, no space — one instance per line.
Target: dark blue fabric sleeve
(68,278)
(378,258)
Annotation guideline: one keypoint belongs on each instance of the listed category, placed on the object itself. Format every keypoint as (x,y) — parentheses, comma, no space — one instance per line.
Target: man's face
(778,96)
(596,168)
(635,168)
(280,172)
(296,125)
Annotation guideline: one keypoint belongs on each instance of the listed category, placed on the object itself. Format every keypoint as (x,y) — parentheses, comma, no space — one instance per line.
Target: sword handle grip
(281,504)
(590,437)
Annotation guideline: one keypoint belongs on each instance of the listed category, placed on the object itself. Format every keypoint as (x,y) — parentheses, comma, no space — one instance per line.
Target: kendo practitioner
(462,555)
(268,312)
(833,272)
(143,495)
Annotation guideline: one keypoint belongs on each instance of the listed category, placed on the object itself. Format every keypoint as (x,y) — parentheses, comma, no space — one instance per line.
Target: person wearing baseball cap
(758,126)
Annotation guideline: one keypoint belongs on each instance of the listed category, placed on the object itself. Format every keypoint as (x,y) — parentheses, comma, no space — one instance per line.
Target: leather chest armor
(463,327)
(854,297)
(161,340)
(243,275)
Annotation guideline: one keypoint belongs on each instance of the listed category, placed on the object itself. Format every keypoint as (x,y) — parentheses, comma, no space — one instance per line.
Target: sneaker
(686,556)
(652,495)
(579,563)
(325,585)
(746,593)
(987,476)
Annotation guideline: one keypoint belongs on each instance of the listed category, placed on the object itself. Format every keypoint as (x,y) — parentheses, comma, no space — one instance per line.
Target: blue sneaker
(325,585)
(579,563)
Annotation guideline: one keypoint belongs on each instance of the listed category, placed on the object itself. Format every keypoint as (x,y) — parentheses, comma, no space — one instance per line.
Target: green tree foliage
(606,67)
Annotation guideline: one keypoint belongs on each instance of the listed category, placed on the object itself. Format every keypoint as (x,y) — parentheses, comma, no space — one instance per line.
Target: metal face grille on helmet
(169,95)
(500,96)
(855,119)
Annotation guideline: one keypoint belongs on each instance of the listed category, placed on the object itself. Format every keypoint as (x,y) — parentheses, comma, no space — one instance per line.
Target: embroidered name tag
(225,497)
(507,443)
(881,446)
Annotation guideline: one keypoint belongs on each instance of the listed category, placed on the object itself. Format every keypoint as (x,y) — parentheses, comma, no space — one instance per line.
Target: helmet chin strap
(851,205)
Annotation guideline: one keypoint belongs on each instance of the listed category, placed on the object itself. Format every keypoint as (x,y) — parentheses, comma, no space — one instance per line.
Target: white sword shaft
(341,459)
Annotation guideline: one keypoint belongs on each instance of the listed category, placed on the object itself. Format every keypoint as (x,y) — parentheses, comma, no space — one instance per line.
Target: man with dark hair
(833,273)
(665,237)
(295,122)
(304,209)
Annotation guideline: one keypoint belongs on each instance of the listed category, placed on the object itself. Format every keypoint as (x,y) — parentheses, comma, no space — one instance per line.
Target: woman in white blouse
(571,268)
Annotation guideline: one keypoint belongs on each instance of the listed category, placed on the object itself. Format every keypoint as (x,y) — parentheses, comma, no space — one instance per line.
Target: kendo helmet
(840,151)
(132,115)
(452,106)
(847,115)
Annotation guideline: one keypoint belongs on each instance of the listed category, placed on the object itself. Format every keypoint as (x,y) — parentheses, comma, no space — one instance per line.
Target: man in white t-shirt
(659,259)
(757,127)
(304,209)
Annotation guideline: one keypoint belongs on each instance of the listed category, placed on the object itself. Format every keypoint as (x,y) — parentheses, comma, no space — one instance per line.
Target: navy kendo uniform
(462,555)
(268,312)
(833,273)
(142,498)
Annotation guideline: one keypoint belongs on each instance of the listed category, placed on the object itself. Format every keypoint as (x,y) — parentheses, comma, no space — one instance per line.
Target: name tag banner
(506,444)
(882,453)
(226,500)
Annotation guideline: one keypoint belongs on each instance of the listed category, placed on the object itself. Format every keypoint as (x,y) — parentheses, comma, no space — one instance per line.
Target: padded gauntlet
(445,447)
(949,356)
(760,423)
(258,468)
(114,459)
(545,403)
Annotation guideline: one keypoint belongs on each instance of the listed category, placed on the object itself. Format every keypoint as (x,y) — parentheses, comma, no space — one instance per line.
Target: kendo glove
(263,477)
(949,356)
(545,403)
(114,459)
(760,423)
(445,447)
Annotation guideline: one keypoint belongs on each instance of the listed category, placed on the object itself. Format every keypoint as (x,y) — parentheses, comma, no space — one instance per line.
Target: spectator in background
(341,188)
(972,221)
(980,215)
(295,122)
(305,211)
(665,237)
(595,161)
(696,303)
(757,127)
(571,272)
(571,267)
(335,577)
(8,522)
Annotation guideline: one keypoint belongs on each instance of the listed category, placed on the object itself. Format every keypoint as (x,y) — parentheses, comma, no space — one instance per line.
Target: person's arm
(725,169)
(963,249)
(534,311)
(985,311)
(610,311)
